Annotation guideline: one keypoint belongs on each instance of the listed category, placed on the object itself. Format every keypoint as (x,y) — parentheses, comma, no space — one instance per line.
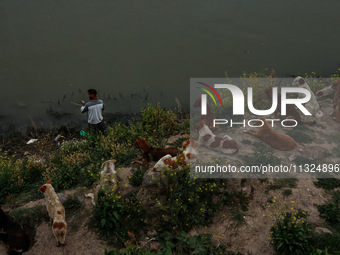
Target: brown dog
(156,153)
(292,113)
(281,142)
(336,100)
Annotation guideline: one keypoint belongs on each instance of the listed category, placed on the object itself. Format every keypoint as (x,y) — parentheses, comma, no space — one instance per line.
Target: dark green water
(136,51)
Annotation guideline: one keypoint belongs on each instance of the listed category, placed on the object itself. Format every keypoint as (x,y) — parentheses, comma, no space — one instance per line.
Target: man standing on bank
(95,109)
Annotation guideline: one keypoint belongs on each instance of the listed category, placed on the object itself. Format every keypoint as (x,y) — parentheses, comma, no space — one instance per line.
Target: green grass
(299,135)
(327,183)
(137,176)
(283,183)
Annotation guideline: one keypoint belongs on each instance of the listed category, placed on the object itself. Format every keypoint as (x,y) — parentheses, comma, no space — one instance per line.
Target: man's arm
(84,108)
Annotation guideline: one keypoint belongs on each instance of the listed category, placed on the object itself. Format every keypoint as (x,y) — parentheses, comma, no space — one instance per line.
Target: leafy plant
(327,183)
(137,176)
(180,244)
(331,211)
(299,135)
(291,234)
(115,216)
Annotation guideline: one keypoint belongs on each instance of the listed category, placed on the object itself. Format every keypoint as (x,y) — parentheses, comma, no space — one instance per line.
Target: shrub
(180,244)
(291,234)
(331,211)
(115,216)
(132,250)
(193,201)
(327,183)
(137,176)
(299,135)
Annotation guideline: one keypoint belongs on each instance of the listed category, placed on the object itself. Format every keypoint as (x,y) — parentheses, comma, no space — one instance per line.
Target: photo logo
(238,99)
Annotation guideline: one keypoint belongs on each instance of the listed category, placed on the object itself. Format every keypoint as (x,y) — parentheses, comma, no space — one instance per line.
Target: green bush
(132,250)
(331,211)
(327,183)
(137,176)
(193,201)
(299,135)
(180,244)
(291,234)
(115,216)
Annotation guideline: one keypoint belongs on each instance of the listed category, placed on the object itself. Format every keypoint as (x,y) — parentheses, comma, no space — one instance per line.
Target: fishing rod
(76,103)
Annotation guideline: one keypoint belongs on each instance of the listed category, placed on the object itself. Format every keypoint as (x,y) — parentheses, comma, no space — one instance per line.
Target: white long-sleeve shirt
(95,111)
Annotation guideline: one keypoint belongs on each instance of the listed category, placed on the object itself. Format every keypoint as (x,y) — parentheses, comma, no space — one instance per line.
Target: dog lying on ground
(188,155)
(312,105)
(209,118)
(207,138)
(291,111)
(336,101)
(12,235)
(280,142)
(56,212)
(156,153)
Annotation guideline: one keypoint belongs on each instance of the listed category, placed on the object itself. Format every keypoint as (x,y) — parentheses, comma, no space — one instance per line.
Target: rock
(291,157)
(26,153)
(321,230)
(152,178)
(124,186)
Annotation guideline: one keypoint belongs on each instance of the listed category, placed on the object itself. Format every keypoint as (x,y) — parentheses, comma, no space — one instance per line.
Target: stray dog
(325,91)
(292,113)
(107,175)
(188,155)
(312,105)
(281,142)
(56,212)
(209,117)
(109,172)
(156,153)
(12,235)
(207,138)
(336,101)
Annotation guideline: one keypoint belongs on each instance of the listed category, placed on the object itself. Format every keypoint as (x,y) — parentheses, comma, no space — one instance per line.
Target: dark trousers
(96,129)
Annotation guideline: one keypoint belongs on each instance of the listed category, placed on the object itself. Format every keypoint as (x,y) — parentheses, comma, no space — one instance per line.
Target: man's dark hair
(92,91)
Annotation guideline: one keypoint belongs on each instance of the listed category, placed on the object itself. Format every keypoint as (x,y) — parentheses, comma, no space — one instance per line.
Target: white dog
(107,176)
(312,106)
(56,212)
(189,155)
(207,138)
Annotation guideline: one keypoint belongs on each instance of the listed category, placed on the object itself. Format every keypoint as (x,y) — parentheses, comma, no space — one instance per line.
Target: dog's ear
(42,189)
(302,81)
(185,144)
(103,165)
(49,182)
(113,161)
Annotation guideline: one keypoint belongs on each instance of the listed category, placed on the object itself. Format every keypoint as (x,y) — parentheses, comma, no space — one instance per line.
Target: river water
(134,51)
